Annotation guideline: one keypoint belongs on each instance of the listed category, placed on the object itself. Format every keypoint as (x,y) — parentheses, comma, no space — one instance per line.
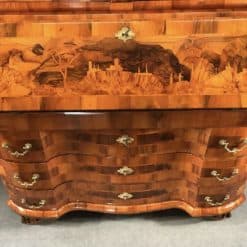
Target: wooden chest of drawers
(116,166)
(123,106)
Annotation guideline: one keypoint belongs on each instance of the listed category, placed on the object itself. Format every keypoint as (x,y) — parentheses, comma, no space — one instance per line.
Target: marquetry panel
(166,61)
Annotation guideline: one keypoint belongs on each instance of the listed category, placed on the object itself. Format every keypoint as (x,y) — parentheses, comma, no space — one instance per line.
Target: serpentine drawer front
(123,106)
(113,170)
(41,146)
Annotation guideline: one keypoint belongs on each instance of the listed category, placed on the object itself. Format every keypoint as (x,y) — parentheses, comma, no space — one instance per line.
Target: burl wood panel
(186,60)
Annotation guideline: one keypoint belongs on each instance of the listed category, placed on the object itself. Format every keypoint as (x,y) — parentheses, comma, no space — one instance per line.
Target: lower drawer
(42,199)
(132,194)
(124,195)
(221,182)
(216,197)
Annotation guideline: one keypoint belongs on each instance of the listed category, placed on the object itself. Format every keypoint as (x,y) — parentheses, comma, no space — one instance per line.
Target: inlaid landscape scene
(112,67)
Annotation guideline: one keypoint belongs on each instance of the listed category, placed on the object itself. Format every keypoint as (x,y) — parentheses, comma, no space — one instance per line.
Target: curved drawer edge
(127,210)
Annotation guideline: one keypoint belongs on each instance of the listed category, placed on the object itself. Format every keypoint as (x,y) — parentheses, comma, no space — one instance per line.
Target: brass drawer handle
(210,201)
(40,204)
(235,150)
(124,34)
(222,179)
(35,178)
(125,170)
(125,196)
(125,140)
(26,148)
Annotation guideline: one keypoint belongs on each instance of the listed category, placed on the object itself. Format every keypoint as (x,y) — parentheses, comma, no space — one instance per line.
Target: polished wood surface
(79,167)
(115,5)
(123,106)
(49,144)
(30,122)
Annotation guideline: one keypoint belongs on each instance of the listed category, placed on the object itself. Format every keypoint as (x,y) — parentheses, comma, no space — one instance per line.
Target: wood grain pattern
(134,209)
(49,144)
(155,167)
(103,194)
(159,120)
(169,74)
(167,176)
(115,5)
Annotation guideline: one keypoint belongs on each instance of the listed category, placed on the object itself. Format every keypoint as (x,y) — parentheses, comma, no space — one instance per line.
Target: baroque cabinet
(123,107)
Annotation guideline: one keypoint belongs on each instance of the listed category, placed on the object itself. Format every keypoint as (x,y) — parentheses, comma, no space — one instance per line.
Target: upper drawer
(228,143)
(23,146)
(44,145)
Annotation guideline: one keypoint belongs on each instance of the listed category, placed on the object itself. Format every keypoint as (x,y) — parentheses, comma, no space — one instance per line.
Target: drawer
(42,199)
(124,143)
(221,182)
(98,193)
(24,146)
(131,194)
(43,145)
(215,173)
(112,170)
(219,196)
(227,144)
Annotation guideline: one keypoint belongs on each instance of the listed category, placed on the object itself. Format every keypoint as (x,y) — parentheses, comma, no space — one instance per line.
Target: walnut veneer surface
(123,106)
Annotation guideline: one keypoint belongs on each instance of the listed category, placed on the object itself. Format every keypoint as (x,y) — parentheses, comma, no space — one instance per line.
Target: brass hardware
(25,184)
(125,170)
(235,150)
(125,34)
(125,140)
(210,201)
(125,196)
(40,204)
(27,147)
(222,179)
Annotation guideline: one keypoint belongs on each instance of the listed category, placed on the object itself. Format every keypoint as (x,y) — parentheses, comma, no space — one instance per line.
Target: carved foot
(29,220)
(219,217)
